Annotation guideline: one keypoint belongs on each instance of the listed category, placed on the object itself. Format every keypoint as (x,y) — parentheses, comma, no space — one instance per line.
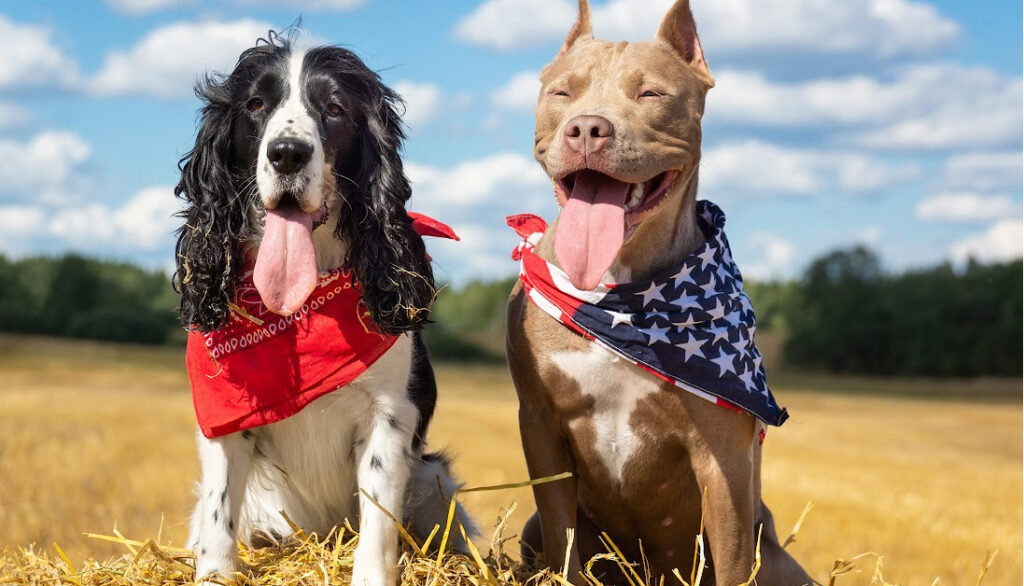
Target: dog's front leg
(383,473)
(557,502)
(225,462)
(725,469)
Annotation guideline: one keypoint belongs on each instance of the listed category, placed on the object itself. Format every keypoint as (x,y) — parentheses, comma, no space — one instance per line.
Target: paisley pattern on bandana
(262,367)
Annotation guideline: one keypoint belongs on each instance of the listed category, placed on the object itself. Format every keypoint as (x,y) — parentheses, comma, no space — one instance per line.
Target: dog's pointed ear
(679,30)
(580,30)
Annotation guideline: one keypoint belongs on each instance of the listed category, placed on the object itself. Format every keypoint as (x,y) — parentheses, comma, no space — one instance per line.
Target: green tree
(849,316)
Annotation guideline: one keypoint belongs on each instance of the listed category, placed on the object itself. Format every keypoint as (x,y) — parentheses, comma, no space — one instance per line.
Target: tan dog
(612,117)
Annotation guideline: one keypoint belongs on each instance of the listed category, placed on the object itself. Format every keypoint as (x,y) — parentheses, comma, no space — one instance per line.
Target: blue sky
(895,123)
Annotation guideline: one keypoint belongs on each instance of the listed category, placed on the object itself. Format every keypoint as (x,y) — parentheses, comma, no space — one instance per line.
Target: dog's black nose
(588,134)
(289,155)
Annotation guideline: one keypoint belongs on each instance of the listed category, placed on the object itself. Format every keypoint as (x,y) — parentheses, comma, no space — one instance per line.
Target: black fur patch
(222,212)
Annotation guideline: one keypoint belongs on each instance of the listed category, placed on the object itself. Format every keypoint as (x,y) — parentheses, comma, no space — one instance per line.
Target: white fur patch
(616,386)
(313,465)
(291,119)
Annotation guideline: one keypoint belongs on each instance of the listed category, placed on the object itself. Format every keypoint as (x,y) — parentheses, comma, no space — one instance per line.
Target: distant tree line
(469,322)
(844,314)
(847,315)
(78,297)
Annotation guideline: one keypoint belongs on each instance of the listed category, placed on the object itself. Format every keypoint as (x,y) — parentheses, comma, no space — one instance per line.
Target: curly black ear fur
(207,242)
(221,214)
(388,256)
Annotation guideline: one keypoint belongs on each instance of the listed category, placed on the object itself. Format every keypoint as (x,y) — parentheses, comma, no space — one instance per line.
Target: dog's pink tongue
(591,228)
(285,272)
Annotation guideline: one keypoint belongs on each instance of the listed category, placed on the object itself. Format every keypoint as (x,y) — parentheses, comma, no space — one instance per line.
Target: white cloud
(139,7)
(423,102)
(19,221)
(760,167)
(479,254)
(954,107)
(863,27)
(966,207)
(879,28)
(82,226)
(138,227)
(984,170)
(749,97)
(42,167)
(774,258)
(861,173)
(519,92)
(472,196)
(1001,242)
(146,220)
(513,24)
(29,59)
(478,181)
(923,106)
(166,62)
(312,5)
(144,223)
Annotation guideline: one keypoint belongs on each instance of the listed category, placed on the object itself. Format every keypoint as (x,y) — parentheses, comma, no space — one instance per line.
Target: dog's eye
(334,109)
(650,94)
(562,93)
(255,105)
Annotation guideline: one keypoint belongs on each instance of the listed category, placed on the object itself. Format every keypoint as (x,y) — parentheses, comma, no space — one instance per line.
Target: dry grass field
(93,435)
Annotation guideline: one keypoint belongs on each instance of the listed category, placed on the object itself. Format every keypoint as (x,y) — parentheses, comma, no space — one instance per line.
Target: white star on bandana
(691,325)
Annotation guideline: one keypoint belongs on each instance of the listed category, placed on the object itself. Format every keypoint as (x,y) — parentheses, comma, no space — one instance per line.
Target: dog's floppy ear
(207,250)
(679,30)
(580,30)
(388,256)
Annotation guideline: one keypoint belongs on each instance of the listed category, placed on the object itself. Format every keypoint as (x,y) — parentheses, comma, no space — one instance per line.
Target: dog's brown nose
(588,134)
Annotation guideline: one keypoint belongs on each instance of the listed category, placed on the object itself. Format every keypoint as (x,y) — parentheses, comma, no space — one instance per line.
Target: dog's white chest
(616,387)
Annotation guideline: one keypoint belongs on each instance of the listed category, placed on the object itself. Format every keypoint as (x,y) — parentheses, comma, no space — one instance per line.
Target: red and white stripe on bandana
(692,325)
(262,367)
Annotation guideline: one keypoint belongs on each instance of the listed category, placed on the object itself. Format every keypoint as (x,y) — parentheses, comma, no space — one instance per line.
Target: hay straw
(799,523)
(307,560)
(988,564)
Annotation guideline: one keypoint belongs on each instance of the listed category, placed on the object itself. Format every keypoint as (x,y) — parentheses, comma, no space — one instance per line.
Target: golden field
(93,435)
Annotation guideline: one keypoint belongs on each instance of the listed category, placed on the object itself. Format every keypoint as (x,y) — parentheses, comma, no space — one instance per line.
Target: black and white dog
(312,133)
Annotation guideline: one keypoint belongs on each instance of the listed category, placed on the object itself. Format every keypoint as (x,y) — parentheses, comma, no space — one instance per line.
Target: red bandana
(262,367)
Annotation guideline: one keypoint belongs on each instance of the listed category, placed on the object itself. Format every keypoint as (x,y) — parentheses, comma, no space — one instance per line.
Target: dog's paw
(210,568)
(372,570)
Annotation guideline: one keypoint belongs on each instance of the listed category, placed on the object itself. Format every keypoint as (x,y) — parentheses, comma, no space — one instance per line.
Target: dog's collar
(691,325)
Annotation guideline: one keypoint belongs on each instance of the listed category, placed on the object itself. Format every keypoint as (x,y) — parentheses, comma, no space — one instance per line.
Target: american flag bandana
(692,325)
